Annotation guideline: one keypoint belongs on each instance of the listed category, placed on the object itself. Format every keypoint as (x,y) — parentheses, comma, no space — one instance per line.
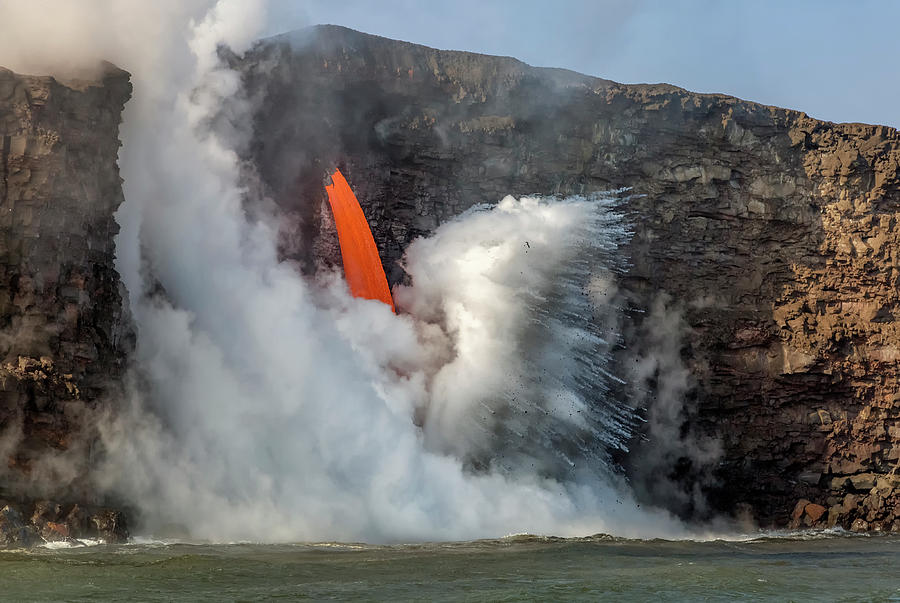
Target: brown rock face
(770,238)
(63,339)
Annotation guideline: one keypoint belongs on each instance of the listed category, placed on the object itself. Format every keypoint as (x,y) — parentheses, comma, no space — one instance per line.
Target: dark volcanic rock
(769,236)
(50,521)
(14,532)
(63,338)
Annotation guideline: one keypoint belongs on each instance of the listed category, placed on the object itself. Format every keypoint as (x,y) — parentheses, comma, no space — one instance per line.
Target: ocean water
(800,567)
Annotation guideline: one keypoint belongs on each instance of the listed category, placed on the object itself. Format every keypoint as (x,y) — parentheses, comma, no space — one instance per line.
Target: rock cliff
(63,338)
(762,291)
(767,240)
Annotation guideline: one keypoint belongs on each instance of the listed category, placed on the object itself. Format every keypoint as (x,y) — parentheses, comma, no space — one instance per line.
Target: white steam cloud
(268,408)
(510,289)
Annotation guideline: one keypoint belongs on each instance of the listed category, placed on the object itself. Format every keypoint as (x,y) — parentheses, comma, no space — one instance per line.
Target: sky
(834,60)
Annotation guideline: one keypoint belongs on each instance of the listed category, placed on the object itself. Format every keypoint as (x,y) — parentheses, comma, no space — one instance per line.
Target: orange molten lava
(362,265)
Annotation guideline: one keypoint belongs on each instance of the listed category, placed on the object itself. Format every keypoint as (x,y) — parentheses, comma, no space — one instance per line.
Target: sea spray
(528,384)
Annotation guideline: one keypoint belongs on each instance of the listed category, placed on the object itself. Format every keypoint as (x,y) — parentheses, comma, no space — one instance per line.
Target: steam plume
(264,407)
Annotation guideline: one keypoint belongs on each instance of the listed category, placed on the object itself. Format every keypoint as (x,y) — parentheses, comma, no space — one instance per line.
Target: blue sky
(838,61)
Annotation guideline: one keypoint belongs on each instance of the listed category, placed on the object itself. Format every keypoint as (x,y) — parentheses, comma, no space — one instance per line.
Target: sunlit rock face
(762,339)
(63,338)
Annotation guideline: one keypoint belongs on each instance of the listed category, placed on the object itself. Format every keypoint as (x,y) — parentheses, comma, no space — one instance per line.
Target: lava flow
(362,264)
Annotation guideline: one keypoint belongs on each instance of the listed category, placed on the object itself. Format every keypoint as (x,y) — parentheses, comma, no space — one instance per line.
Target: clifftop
(377,53)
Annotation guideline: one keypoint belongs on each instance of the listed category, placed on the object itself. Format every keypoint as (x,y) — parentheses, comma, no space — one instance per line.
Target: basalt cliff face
(63,337)
(766,241)
(762,289)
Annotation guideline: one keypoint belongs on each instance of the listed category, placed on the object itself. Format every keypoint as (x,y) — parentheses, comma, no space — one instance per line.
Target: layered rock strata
(63,338)
(768,239)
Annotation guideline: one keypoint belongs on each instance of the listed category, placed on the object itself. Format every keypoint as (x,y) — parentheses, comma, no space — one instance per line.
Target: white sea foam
(72,543)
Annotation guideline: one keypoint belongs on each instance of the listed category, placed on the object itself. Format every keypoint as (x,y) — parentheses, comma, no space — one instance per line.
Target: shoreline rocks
(25,525)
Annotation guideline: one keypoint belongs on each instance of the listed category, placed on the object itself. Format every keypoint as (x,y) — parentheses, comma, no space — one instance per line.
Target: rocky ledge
(766,245)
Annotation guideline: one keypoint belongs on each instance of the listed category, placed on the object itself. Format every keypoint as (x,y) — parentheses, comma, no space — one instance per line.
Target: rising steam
(266,407)
(525,383)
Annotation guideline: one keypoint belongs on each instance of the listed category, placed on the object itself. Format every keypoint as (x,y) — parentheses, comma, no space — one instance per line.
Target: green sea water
(799,568)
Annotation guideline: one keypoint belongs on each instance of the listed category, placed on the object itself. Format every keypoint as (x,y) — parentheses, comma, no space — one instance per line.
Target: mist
(266,406)
(674,463)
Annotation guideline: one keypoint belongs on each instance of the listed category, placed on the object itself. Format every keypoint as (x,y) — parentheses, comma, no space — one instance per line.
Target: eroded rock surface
(63,338)
(771,238)
(25,525)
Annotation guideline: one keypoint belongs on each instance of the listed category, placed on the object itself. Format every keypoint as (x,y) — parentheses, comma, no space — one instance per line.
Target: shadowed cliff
(63,338)
(764,274)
